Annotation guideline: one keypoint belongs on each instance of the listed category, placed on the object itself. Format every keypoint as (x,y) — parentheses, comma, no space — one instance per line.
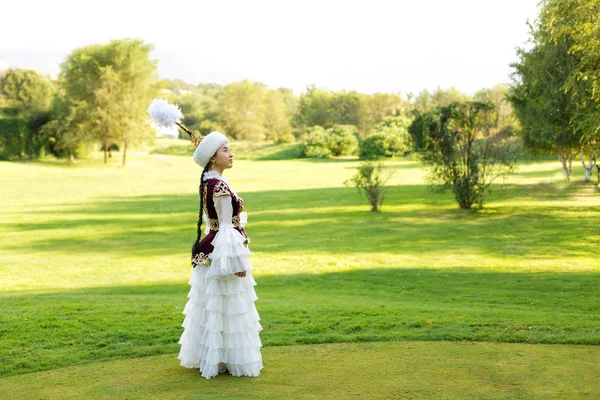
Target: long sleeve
(229,254)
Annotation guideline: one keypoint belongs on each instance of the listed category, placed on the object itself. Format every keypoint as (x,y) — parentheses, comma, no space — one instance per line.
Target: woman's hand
(241,274)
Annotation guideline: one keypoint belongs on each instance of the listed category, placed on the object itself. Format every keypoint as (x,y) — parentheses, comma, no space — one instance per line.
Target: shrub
(371,180)
(316,144)
(285,139)
(388,139)
(342,139)
(338,140)
(464,155)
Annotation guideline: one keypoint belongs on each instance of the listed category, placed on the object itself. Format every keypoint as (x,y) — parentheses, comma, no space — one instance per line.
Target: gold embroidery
(214,223)
(201,259)
(204,206)
(221,189)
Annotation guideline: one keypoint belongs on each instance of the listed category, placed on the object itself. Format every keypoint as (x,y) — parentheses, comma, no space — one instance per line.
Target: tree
(545,110)
(503,119)
(67,131)
(464,154)
(314,108)
(199,105)
(110,114)
(290,101)
(381,106)
(138,84)
(27,90)
(241,110)
(245,110)
(426,101)
(107,89)
(26,99)
(276,117)
(579,21)
(325,108)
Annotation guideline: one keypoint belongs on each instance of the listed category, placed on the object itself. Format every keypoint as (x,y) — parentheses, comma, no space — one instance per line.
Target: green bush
(285,139)
(343,139)
(338,140)
(317,152)
(389,139)
(316,144)
(371,180)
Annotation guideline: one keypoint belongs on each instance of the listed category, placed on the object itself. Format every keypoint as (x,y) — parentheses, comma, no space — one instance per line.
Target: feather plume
(164,114)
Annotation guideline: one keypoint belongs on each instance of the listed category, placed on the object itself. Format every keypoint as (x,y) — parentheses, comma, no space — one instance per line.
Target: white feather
(164,114)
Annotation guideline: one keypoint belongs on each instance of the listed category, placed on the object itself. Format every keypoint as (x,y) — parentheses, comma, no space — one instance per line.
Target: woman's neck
(212,174)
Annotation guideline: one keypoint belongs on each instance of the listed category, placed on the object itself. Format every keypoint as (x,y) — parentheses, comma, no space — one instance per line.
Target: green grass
(396,370)
(94,264)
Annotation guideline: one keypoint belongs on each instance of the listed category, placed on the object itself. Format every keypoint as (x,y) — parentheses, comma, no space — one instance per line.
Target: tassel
(195,250)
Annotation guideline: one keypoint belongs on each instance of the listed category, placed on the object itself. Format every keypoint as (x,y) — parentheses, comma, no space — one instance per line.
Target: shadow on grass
(332,220)
(44,331)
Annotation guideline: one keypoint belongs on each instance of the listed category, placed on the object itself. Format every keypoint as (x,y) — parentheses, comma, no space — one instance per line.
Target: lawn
(94,263)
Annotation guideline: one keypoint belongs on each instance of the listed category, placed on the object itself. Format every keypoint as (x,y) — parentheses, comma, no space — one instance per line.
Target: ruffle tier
(221,324)
(229,254)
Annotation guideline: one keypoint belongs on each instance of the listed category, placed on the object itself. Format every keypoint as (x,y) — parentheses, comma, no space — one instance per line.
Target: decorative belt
(214,223)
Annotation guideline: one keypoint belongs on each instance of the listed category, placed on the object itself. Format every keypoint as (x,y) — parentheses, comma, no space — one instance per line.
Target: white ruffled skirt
(221,322)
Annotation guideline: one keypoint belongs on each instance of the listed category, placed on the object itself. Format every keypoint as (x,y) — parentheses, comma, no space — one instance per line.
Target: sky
(367,46)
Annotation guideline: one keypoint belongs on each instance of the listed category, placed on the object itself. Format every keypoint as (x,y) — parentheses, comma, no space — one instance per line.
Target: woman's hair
(196,245)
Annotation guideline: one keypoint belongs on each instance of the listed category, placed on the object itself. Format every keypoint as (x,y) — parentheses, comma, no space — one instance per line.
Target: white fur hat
(208,147)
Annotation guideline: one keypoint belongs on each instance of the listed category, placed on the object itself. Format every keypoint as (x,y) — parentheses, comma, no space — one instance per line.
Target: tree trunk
(71,156)
(124,152)
(565,160)
(588,169)
(105,153)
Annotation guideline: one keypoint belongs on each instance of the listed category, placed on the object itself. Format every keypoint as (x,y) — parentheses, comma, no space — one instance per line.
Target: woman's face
(223,158)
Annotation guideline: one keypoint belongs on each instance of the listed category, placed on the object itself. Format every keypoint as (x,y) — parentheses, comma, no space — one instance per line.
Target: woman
(221,324)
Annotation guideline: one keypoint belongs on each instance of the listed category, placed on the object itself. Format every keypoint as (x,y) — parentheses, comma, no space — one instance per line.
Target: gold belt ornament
(214,223)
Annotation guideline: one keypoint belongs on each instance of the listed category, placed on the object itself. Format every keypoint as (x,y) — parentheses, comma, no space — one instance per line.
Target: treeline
(243,110)
(100,97)
(326,123)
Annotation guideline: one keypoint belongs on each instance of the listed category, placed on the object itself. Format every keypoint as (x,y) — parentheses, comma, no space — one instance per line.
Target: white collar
(214,174)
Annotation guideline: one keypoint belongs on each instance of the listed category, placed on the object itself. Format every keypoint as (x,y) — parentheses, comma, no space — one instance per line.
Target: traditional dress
(221,323)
